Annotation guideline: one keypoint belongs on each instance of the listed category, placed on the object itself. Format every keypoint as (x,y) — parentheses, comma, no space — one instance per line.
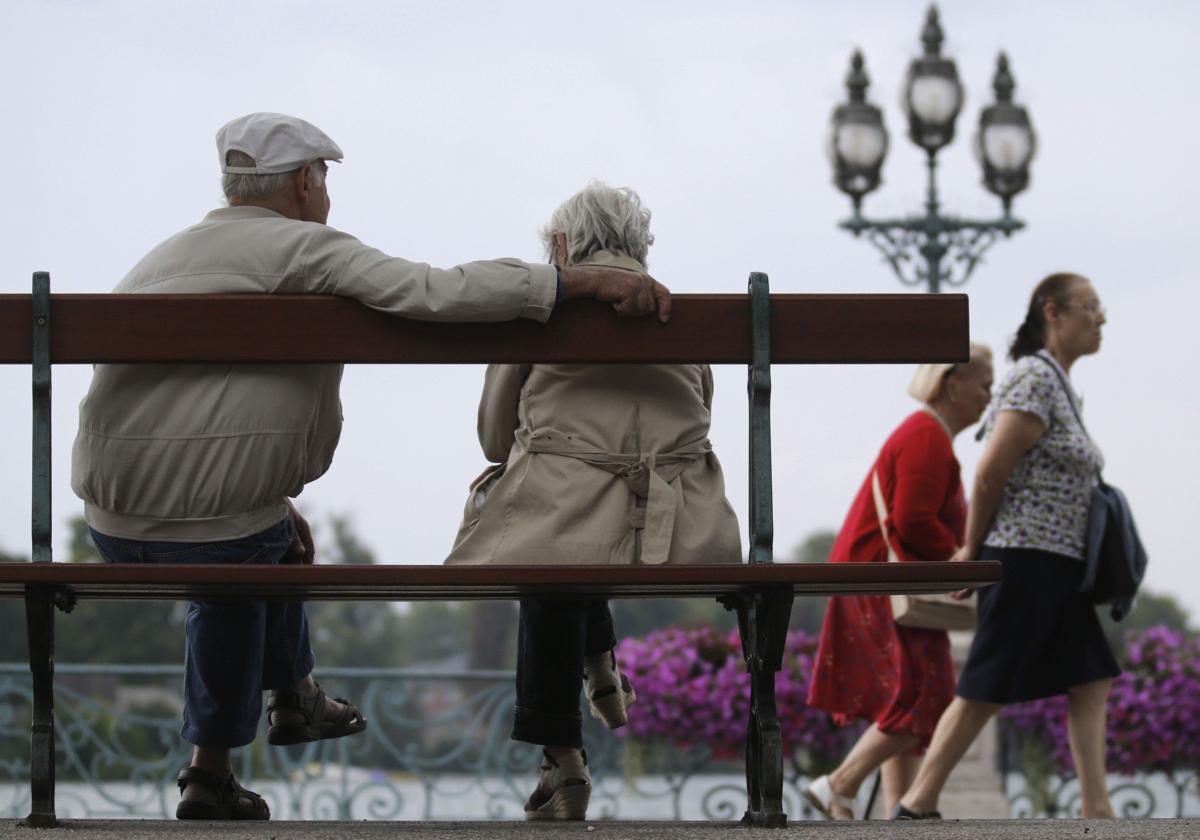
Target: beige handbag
(931,612)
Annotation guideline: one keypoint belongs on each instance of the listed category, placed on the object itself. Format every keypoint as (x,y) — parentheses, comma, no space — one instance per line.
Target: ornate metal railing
(1034,789)
(437,747)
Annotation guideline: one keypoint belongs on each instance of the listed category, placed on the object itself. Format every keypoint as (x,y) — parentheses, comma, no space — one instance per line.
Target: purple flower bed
(1153,710)
(693,689)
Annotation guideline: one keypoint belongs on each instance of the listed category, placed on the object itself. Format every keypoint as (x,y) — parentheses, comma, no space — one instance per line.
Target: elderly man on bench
(196,463)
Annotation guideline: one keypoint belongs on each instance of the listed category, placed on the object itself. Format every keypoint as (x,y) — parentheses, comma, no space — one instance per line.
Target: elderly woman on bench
(591,464)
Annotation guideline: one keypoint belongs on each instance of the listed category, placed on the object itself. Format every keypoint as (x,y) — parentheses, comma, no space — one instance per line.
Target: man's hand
(631,294)
(302,549)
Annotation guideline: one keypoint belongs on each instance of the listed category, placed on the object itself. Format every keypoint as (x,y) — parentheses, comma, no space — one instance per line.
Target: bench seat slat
(806,329)
(403,583)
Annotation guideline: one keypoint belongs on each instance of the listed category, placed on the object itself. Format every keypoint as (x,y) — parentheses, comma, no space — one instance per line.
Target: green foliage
(808,611)
(12,621)
(100,632)
(815,548)
(352,633)
(640,616)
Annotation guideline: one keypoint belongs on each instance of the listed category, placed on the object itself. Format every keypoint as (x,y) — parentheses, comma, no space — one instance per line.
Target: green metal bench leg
(39,601)
(39,623)
(758,386)
(763,622)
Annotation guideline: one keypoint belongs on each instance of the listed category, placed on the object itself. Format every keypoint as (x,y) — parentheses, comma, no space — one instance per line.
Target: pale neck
(1064,359)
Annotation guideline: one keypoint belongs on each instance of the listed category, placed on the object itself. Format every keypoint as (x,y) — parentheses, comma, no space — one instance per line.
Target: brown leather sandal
(315,726)
(234,802)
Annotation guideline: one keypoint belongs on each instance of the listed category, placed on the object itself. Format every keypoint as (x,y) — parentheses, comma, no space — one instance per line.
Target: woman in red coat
(867,666)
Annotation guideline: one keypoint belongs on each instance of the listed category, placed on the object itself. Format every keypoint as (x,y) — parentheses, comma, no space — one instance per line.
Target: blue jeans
(553,638)
(235,649)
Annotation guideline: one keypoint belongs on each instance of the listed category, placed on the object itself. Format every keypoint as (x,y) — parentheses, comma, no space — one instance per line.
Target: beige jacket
(597,464)
(200,453)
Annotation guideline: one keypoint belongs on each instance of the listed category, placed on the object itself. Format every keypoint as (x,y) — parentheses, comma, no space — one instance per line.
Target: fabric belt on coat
(648,477)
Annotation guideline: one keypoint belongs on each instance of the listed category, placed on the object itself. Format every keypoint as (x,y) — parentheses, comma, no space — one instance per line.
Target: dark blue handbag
(1115,560)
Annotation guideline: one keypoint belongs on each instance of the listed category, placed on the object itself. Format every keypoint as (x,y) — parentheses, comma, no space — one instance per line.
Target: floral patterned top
(1045,503)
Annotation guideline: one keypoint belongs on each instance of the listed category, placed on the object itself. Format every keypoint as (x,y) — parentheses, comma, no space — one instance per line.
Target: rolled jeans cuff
(537,727)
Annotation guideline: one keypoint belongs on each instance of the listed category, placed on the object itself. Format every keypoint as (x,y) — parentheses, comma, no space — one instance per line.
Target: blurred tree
(433,632)
(815,548)
(12,621)
(352,634)
(639,616)
(116,632)
(493,627)
(1149,610)
(808,611)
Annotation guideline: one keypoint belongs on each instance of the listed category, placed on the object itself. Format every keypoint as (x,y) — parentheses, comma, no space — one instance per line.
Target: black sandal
(315,726)
(234,802)
(902,813)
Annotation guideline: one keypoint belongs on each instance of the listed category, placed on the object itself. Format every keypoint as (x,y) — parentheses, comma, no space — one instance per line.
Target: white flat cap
(277,142)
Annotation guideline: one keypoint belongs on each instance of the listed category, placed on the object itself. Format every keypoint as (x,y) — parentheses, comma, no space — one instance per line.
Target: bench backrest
(41,329)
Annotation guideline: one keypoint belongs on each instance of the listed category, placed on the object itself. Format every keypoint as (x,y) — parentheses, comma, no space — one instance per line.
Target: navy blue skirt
(1037,635)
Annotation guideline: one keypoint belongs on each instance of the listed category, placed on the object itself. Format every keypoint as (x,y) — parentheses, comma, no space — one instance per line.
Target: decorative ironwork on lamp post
(916,246)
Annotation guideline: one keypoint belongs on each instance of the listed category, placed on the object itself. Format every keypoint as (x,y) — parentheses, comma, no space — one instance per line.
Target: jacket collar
(245,211)
(610,260)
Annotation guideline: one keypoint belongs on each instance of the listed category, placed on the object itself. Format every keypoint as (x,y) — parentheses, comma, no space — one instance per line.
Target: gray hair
(256,186)
(601,218)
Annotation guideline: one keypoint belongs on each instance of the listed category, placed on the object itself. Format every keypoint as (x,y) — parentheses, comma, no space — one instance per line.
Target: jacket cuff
(543,289)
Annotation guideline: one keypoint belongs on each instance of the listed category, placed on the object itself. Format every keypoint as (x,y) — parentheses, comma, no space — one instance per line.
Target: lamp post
(916,246)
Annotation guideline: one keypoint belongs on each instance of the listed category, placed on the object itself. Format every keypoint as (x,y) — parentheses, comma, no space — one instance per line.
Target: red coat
(900,678)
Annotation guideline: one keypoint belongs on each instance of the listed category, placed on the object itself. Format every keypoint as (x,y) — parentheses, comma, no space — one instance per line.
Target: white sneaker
(821,796)
(563,790)
(609,692)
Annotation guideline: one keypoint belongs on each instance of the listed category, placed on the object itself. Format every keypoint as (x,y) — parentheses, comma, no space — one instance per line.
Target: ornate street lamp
(932,97)
(1005,143)
(857,139)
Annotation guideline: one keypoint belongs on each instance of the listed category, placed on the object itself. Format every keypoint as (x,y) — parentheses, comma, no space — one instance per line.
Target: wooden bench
(755,329)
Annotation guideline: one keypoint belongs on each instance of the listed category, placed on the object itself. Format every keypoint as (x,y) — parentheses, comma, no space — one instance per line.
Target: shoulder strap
(1066,389)
(881,512)
(1070,402)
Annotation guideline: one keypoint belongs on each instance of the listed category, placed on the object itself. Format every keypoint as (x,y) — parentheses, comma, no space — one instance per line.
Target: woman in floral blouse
(1038,635)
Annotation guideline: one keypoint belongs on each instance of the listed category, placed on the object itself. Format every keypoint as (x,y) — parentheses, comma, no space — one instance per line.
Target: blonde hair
(927,382)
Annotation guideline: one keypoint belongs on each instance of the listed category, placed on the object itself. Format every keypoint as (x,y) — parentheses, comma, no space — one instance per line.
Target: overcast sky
(465,124)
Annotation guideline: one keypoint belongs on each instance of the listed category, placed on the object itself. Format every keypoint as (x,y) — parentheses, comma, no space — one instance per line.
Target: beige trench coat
(597,464)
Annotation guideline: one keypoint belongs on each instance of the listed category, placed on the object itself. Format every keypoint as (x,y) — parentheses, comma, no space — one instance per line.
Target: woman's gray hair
(601,218)
(255,186)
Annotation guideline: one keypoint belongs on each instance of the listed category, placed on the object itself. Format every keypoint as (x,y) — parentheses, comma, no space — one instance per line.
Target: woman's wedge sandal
(234,802)
(563,790)
(314,726)
(609,692)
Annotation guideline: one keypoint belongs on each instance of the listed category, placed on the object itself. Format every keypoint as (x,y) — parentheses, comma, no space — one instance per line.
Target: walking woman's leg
(1087,710)
(957,729)
(872,749)
(899,771)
